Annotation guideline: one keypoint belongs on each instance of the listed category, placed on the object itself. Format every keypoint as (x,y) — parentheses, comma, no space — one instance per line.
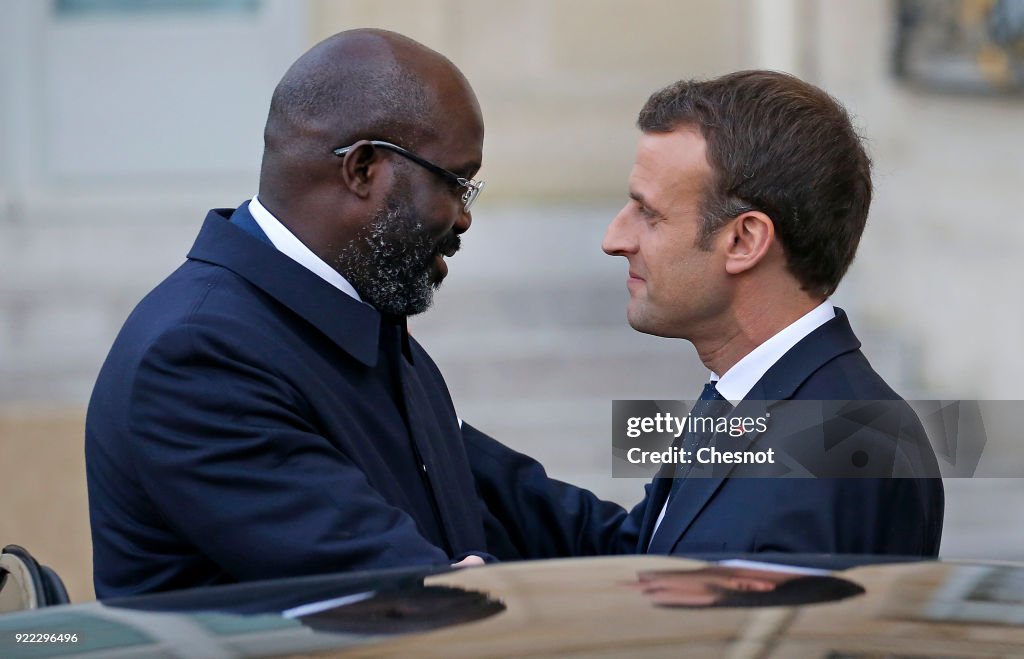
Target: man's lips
(450,245)
(447,248)
(634,278)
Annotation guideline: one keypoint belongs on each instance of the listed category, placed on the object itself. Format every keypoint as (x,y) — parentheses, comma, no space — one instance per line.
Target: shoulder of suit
(848,376)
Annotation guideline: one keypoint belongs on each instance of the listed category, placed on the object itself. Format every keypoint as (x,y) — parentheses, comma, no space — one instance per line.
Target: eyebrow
(639,198)
(464,170)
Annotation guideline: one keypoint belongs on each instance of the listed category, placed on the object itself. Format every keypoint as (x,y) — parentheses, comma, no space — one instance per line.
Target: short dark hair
(407,610)
(800,591)
(782,146)
(795,592)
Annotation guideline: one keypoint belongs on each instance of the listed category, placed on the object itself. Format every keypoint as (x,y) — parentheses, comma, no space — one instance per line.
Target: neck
(744,327)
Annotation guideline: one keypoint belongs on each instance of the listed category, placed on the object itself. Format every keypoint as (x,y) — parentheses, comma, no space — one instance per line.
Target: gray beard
(389,262)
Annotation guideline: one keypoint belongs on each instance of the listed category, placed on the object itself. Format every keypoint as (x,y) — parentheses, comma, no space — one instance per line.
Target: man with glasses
(264,412)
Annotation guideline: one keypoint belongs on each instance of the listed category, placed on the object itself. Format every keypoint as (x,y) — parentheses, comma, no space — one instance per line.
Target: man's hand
(469,561)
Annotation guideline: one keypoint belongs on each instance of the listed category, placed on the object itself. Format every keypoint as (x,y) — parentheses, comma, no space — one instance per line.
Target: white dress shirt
(741,378)
(286,243)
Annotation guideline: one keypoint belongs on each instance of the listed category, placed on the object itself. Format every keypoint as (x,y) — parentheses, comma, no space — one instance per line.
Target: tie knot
(711,403)
(710,392)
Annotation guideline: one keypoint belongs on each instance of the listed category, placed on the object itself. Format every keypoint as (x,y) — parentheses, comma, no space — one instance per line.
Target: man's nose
(617,239)
(463,222)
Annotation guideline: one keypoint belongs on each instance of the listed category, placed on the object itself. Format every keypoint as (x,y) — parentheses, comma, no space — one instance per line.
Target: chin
(639,323)
(643,329)
(645,324)
(638,315)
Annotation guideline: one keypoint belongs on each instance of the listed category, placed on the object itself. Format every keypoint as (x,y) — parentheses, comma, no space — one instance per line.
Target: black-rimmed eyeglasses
(472,187)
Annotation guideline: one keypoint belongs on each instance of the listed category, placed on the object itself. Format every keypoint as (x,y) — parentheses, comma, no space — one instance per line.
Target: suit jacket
(251,421)
(724,513)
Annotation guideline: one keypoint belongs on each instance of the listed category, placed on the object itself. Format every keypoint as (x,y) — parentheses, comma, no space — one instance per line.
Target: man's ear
(749,237)
(358,168)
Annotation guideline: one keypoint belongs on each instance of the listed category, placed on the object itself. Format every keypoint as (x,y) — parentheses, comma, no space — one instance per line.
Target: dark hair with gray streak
(781,146)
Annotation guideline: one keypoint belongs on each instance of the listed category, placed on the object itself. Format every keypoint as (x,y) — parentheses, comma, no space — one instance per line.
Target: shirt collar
(741,378)
(288,244)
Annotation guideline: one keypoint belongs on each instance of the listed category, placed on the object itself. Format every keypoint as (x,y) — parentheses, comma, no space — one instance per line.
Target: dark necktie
(711,404)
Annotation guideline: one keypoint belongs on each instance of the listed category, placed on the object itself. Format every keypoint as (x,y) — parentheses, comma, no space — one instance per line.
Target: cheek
(670,266)
(440,213)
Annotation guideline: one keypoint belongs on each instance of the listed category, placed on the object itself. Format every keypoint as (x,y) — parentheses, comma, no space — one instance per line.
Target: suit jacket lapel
(690,499)
(655,502)
(779,383)
(703,481)
(821,346)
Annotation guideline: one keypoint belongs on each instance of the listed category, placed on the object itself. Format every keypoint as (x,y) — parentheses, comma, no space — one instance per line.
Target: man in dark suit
(264,412)
(748,197)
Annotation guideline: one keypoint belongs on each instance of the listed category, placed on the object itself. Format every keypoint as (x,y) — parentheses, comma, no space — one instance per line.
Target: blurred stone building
(123,121)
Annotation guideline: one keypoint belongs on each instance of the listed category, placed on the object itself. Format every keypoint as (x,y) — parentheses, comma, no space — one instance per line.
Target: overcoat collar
(231,239)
